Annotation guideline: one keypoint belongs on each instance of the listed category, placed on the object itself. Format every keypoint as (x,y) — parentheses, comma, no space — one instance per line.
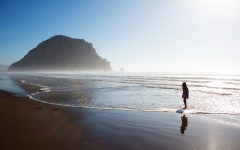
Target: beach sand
(29,124)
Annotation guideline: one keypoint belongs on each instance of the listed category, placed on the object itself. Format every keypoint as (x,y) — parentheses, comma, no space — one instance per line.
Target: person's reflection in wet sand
(184,124)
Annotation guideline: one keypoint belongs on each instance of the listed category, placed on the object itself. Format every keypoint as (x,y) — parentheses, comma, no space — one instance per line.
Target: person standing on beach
(185,93)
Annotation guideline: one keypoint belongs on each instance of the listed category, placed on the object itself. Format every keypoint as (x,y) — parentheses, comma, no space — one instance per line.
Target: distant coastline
(3,67)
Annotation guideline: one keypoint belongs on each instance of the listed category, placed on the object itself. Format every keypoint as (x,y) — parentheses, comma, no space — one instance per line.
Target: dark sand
(29,124)
(25,126)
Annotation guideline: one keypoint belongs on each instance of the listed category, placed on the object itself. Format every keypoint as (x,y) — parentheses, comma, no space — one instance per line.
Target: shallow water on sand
(154,130)
(158,92)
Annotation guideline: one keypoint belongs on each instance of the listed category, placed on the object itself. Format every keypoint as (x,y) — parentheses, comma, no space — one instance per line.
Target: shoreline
(31,124)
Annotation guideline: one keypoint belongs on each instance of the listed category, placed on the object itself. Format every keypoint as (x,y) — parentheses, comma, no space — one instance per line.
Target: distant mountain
(4,67)
(62,53)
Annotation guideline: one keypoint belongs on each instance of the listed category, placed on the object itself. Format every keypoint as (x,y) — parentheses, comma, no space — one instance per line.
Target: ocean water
(211,96)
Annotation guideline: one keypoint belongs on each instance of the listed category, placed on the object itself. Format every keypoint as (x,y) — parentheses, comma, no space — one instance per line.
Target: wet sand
(29,124)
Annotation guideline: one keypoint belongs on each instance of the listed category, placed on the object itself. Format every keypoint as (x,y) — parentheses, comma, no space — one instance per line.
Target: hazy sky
(138,35)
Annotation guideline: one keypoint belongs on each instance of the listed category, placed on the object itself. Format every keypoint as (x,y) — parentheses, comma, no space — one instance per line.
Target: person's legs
(185,103)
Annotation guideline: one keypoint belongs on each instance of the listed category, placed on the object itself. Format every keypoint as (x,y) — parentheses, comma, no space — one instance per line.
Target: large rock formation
(61,53)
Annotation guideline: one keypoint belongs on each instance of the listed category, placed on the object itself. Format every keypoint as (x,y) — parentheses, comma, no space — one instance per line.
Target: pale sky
(138,35)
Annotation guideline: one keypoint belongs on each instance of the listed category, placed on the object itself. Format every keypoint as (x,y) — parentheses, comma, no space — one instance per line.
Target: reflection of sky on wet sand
(10,86)
(153,130)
